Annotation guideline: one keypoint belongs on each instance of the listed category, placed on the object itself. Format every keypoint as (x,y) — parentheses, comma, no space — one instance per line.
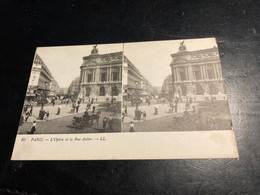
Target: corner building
(104,76)
(135,85)
(196,72)
(40,80)
(101,76)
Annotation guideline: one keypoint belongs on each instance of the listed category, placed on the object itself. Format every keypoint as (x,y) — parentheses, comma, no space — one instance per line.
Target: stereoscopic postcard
(142,100)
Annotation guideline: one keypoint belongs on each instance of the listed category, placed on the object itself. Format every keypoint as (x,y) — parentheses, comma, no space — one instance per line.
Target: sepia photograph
(174,86)
(74,89)
(126,101)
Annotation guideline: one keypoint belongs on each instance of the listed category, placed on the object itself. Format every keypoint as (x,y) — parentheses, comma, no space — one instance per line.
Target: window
(210,72)
(196,73)
(102,91)
(90,78)
(115,74)
(182,74)
(115,90)
(103,77)
(88,91)
(103,74)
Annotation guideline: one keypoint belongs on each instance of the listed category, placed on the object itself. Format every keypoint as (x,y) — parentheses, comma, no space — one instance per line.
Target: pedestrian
(155,110)
(123,116)
(33,129)
(110,124)
(139,116)
(126,109)
(46,116)
(131,128)
(104,122)
(31,110)
(27,114)
(93,109)
(77,107)
(58,110)
(176,108)
(88,106)
(53,102)
(116,110)
(73,107)
(144,115)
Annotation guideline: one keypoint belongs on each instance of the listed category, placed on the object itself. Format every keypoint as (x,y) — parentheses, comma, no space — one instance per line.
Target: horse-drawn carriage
(86,120)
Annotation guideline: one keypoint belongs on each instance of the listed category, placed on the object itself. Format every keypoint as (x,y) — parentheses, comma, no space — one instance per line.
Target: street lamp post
(137,101)
(43,99)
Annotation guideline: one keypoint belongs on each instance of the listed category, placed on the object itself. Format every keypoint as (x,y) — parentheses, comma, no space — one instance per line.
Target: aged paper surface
(143,100)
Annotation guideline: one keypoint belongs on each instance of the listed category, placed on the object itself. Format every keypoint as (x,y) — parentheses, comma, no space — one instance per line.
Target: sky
(151,58)
(64,62)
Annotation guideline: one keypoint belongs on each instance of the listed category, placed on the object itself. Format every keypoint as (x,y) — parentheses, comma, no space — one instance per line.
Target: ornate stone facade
(196,72)
(101,75)
(104,76)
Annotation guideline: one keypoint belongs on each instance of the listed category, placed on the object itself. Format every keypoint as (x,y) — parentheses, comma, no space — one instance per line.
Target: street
(166,121)
(62,123)
(163,111)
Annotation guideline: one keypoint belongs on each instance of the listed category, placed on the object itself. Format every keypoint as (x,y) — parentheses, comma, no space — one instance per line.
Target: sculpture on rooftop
(94,50)
(182,47)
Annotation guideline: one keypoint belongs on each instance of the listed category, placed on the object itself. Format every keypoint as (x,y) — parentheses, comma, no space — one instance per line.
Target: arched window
(199,89)
(196,73)
(102,91)
(115,91)
(88,91)
(184,90)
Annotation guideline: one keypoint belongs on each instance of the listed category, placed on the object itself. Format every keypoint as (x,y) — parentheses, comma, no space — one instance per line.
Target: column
(108,74)
(214,70)
(177,74)
(217,72)
(80,77)
(201,73)
(84,76)
(97,74)
(220,71)
(186,72)
(190,72)
(120,73)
